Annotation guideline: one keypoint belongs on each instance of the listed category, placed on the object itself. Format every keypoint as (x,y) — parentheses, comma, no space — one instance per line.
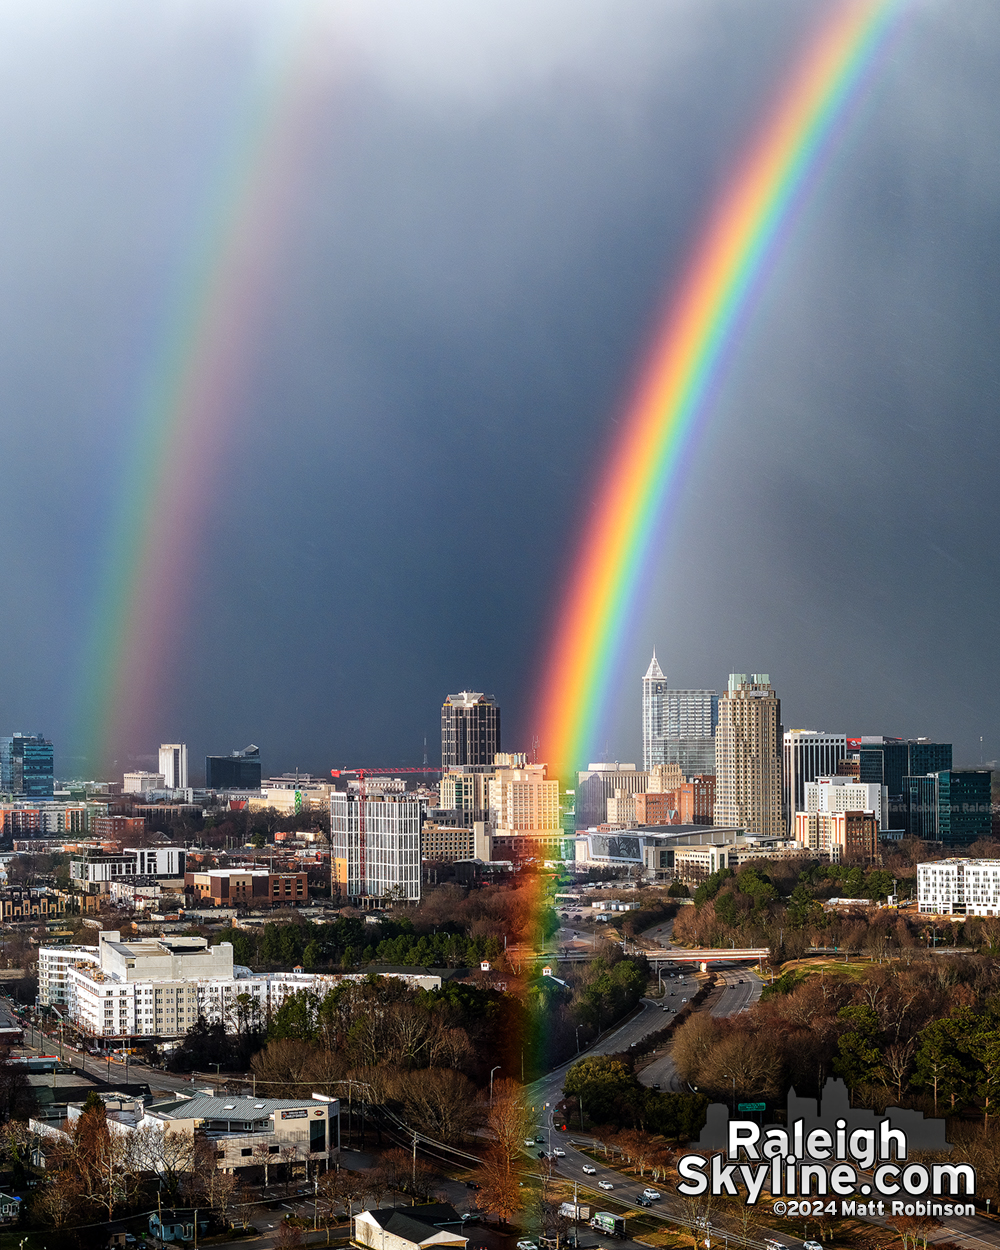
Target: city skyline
(419,306)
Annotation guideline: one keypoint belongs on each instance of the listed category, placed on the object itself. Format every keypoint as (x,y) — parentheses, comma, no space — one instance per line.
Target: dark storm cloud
(496,199)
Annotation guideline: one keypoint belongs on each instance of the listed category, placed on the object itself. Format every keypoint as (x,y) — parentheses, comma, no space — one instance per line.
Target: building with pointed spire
(678,726)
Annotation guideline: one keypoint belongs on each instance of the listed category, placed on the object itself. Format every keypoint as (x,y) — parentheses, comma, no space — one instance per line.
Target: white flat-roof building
(846,794)
(158,987)
(959,887)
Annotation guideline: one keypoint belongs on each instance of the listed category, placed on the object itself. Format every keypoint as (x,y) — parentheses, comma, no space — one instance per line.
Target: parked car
(472,1185)
(525,1244)
(590,1169)
(605,1185)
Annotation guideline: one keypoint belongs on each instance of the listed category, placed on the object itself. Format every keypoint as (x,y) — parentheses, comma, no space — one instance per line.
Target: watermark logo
(828,1158)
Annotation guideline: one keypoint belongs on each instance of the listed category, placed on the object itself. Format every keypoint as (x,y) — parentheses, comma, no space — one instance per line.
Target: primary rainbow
(684,367)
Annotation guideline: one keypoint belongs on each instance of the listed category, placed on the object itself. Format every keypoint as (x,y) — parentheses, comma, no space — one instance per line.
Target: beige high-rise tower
(748,757)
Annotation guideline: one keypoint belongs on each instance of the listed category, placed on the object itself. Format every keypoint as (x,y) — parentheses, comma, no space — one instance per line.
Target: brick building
(248,887)
(120,828)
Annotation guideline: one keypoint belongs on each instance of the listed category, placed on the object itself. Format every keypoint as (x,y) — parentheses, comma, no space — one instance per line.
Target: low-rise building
(447,844)
(248,887)
(959,887)
(247,1131)
(409,1228)
(19,902)
(139,782)
(95,872)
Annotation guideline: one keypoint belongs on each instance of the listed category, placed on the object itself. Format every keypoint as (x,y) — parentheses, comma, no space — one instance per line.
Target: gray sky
(492,203)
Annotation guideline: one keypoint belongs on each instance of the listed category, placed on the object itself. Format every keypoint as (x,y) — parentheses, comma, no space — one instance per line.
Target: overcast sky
(489,204)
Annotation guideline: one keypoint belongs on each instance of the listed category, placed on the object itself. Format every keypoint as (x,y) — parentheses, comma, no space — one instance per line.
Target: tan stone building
(748,757)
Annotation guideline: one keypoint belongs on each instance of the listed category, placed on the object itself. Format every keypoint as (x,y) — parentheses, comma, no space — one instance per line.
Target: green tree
(859,1051)
(942,1061)
(606,1086)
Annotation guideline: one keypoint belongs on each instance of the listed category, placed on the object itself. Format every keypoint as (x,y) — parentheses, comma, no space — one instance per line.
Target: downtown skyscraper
(748,757)
(470,730)
(678,726)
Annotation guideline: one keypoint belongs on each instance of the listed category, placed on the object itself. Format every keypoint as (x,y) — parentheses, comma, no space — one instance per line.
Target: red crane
(361,774)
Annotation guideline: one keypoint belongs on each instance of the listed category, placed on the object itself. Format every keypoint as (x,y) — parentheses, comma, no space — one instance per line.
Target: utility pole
(413,1179)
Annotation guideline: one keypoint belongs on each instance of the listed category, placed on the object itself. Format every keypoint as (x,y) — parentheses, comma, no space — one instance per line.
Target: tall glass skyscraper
(26,766)
(678,726)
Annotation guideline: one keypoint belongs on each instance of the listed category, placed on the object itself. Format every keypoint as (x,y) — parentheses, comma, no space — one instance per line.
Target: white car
(589,1169)
(652,1194)
(559,1154)
(811,1245)
(605,1185)
(526,1245)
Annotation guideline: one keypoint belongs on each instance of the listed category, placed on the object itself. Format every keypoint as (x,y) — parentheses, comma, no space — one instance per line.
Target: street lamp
(492,1070)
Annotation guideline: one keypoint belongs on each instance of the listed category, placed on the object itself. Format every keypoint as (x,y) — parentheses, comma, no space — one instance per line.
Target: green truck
(606,1222)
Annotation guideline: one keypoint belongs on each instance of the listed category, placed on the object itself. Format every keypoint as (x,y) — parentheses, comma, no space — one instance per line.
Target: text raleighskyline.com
(805,1163)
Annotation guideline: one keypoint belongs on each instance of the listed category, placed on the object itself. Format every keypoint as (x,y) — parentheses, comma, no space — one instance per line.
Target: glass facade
(892,762)
(239,771)
(678,726)
(964,805)
(952,806)
(27,766)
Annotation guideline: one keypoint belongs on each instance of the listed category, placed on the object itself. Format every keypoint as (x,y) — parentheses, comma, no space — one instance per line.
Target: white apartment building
(846,794)
(385,861)
(163,862)
(959,887)
(158,987)
(54,964)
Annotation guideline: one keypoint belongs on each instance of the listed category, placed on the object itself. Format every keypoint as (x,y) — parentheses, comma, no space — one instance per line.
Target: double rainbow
(690,351)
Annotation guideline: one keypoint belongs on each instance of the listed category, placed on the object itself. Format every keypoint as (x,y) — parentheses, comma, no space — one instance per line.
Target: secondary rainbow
(689,353)
(190,397)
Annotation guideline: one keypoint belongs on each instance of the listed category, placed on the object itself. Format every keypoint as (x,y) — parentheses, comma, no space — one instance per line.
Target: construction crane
(361,774)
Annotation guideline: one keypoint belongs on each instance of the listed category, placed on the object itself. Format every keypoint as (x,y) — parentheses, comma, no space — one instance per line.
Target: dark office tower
(889,761)
(26,766)
(882,762)
(951,807)
(239,771)
(470,729)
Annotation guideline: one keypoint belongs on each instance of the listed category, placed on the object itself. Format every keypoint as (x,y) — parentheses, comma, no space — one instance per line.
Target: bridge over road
(738,954)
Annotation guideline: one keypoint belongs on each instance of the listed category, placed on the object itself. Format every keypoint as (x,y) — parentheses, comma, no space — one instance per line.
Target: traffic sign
(751,1106)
